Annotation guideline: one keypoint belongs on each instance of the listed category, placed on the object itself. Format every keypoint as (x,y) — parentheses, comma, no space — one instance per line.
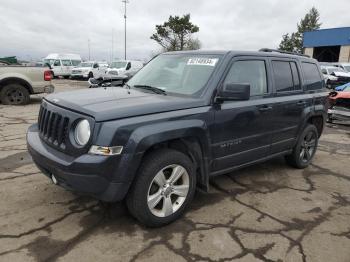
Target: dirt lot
(268,212)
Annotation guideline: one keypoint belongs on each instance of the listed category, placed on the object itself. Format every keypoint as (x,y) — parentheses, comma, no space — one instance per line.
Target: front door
(241,133)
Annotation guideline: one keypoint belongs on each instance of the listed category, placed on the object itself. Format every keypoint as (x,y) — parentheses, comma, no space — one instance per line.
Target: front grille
(76,72)
(53,127)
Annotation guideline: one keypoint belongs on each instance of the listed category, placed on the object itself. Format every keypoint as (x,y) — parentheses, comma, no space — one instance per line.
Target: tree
(176,34)
(294,42)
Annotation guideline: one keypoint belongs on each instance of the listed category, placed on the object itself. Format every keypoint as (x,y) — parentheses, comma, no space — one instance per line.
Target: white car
(124,67)
(344,66)
(90,69)
(62,64)
(334,76)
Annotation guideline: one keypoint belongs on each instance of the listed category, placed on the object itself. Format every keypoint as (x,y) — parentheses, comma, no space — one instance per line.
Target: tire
(14,94)
(305,148)
(91,75)
(155,170)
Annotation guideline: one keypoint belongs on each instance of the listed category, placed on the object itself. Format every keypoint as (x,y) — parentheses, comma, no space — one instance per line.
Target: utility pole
(125,2)
(89,47)
(112,58)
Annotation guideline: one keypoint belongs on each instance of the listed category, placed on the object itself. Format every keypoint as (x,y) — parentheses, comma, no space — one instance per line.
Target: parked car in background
(344,66)
(339,105)
(183,118)
(124,67)
(334,76)
(17,83)
(62,64)
(89,69)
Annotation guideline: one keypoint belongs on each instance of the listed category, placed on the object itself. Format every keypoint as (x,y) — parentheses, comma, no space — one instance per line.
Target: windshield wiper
(151,88)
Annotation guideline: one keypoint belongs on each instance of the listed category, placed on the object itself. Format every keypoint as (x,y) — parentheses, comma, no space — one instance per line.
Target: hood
(116,102)
(343,74)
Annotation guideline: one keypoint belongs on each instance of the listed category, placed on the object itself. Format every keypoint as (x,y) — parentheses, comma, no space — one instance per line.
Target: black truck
(184,117)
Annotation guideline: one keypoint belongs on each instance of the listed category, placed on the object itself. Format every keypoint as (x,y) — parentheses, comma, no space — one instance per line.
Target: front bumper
(84,174)
(82,75)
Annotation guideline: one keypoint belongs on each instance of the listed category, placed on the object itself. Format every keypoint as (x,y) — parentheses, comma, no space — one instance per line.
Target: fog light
(106,150)
(54,180)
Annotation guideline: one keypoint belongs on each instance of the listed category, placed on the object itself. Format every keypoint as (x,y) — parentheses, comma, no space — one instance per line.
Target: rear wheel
(305,148)
(91,75)
(163,189)
(14,94)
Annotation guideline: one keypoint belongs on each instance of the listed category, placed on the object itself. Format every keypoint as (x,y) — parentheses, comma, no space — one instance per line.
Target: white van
(124,67)
(62,64)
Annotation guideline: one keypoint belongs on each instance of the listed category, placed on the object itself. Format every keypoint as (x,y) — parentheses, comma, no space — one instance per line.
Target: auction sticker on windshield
(202,61)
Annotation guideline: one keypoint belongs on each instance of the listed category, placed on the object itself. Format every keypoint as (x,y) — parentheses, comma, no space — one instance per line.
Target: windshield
(49,61)
(347,68)
(179,73)
(85,65)
(346,89)
(119,64)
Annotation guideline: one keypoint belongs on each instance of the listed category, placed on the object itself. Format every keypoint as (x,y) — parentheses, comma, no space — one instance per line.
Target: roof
(239,53)
(327,37)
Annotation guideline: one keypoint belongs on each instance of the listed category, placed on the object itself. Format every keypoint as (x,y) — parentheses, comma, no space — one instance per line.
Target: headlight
(82,132)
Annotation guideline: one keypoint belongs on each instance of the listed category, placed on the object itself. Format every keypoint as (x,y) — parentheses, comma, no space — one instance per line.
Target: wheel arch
(187,136)
(16,80)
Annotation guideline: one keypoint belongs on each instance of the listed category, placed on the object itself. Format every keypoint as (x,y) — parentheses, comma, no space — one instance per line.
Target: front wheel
(163,189)
(305,148)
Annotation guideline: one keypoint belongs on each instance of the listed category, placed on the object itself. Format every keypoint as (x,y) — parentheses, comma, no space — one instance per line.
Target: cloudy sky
(31,29)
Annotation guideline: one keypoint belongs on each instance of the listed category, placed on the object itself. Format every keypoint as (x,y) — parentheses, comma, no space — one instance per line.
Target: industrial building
(328,45)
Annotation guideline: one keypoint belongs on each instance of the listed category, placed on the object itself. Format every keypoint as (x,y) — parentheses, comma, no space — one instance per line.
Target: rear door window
(282,74)
(312,76)
(66,62)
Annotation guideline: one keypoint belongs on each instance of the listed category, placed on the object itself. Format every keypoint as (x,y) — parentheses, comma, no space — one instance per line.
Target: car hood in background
(116,102)
(342,74)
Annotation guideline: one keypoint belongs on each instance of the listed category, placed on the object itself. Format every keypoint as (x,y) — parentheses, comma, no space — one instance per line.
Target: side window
(66,62)
(76,62)
(251,72)
(95,66)
(283,76)
(312,76)
(57,63)
(296,77)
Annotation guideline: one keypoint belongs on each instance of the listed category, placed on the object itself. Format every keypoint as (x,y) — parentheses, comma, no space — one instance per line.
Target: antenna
(112,57)
(125,2)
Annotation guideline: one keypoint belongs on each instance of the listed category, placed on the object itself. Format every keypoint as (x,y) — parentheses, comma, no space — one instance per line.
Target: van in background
(62,64)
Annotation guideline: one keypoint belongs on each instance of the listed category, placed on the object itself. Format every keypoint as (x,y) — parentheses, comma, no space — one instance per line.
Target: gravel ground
(268,212)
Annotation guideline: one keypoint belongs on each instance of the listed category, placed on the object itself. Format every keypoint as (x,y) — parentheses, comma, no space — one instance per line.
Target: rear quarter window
(313,80)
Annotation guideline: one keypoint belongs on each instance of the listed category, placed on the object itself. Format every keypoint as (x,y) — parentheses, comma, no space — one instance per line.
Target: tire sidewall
(150,169)
(7,88)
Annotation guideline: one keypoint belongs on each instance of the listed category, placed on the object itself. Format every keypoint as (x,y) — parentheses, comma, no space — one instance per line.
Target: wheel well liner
(16,80)
(318,122)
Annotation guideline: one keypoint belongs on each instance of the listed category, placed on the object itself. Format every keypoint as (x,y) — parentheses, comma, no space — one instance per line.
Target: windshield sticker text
(202,61)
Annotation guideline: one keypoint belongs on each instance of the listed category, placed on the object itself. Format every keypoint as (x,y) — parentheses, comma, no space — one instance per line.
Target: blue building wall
(327,37)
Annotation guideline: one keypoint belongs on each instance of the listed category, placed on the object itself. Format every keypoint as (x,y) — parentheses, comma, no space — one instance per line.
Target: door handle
(301,103)
(265,108)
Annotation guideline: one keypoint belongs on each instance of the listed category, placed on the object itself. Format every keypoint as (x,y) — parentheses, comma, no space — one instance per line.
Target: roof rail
(281,51)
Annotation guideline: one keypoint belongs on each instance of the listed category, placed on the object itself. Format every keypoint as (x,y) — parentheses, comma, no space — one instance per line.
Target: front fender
(144,137)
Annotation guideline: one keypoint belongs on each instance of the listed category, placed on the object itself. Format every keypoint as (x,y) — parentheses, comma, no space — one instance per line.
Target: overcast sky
(31,29)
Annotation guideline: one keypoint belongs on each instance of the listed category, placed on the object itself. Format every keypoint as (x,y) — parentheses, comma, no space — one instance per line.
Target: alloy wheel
(168,190)
(308,146)
(15,97)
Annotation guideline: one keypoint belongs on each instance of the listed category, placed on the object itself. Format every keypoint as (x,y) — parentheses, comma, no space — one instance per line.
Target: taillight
(47,75)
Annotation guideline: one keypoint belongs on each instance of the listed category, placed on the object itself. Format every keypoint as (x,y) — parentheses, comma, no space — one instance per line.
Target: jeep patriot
(184,117)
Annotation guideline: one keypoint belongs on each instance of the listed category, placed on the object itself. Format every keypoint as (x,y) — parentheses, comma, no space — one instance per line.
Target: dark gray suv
(184,117)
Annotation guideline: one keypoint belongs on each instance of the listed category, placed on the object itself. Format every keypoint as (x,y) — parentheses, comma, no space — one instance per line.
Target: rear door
(289,103)
(241,133)
(66,67)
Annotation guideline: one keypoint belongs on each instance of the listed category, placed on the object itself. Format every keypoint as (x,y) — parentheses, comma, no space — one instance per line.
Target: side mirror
(234,91)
